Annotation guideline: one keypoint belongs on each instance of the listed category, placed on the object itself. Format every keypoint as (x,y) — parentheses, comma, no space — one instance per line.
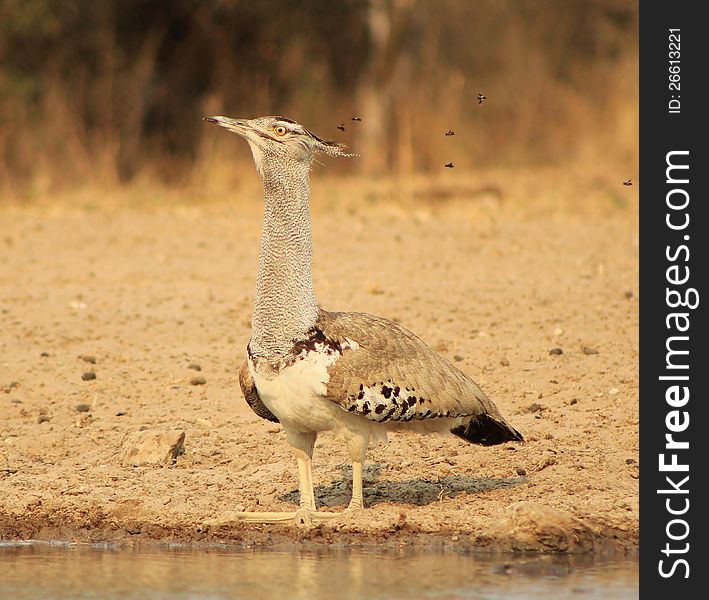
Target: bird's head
(276,140)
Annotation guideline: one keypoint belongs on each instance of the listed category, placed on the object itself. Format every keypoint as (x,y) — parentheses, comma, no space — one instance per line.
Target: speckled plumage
(390,376)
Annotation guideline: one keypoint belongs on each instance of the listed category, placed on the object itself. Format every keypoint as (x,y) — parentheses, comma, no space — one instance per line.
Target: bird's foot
(303,517)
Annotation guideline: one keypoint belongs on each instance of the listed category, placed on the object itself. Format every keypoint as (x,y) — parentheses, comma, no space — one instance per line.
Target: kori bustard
(314,370)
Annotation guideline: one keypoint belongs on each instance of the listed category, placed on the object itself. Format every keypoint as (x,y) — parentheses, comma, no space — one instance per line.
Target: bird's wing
(248,388)
(389,374)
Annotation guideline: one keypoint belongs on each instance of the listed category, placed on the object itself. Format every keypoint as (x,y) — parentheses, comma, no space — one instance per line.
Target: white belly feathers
(295,393)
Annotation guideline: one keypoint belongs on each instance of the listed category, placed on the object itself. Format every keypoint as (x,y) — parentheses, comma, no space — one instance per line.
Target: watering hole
(45,570)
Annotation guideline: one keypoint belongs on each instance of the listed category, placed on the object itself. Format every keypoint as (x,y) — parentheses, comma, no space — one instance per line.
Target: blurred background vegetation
(111,92)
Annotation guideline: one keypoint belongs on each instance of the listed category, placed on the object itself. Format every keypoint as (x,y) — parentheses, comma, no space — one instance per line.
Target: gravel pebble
(556,351)
(194,367)
(521,472)
(198,381)
(82,407)
(88,358)
(88,375)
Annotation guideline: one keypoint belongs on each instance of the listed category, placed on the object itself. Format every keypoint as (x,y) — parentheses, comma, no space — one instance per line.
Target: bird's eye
(280,130)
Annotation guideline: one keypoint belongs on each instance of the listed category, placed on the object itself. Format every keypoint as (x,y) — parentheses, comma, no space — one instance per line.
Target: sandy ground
(494,274)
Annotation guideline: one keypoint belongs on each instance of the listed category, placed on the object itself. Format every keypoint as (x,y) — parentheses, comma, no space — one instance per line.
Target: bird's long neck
(284,307)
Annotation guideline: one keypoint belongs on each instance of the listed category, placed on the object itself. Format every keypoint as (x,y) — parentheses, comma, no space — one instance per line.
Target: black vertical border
(660,133)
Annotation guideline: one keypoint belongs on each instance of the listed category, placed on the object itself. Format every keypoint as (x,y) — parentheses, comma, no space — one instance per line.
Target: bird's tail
(487,430)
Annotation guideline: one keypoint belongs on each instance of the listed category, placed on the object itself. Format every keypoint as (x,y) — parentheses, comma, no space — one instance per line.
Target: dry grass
(87,102)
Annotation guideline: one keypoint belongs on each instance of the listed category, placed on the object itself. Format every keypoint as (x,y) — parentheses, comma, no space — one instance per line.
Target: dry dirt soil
(527,282)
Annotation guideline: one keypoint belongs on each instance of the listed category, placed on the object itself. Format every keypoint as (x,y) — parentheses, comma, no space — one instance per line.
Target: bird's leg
(357,443)
(302,445)
(357,500)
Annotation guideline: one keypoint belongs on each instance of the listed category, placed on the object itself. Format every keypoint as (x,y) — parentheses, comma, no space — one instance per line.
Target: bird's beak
(240,126)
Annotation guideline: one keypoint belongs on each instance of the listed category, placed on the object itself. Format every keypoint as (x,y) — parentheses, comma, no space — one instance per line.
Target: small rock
(556,351)
(121,413)
(44,354)
(629,294)
(629,461)
(613,392)
(521,472)
(42,419)
(457,357)
(589,350)
(88,376)
(10,386)
(83,408)
(194,367)
(547,461)
(573,401)
(558,332)
(531,526)
(152,447)
(83,420)
(273,429)
(198,381)
(88,358)
(504,362)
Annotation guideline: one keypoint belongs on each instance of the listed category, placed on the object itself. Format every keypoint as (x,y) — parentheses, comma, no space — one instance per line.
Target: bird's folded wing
(248,388)
(389,374)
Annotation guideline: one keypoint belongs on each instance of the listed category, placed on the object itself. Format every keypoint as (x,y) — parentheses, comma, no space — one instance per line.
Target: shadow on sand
(417,492)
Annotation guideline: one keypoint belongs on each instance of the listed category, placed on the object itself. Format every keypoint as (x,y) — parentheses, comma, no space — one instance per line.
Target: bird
(449,165)
(313,370)
(628,182)
(450,132)
(481,97)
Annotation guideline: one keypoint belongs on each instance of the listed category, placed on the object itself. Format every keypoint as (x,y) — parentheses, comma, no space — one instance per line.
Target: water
(34,571)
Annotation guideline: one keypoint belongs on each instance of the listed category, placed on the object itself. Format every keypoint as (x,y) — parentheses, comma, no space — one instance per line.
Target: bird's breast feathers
(295,388)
